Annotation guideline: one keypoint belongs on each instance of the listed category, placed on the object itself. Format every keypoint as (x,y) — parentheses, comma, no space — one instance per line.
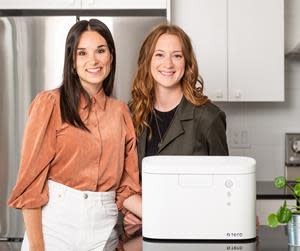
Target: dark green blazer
(195,130)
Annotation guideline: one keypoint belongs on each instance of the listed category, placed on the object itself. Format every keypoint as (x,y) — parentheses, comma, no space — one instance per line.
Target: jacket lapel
(172,133)
(185,111)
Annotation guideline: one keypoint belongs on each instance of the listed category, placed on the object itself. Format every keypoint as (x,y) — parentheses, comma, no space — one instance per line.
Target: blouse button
(85,196)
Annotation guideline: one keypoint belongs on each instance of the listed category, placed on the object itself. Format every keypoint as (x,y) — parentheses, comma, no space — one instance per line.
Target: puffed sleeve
(216,136)
(38,149)
(130,183)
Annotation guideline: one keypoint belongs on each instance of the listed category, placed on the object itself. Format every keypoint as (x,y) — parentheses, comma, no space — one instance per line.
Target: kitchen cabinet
(83,4)
(239,45)
(205,22)
(41,4)
(124,4)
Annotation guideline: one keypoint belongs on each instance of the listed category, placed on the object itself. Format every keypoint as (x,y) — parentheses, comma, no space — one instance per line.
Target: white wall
(258,129)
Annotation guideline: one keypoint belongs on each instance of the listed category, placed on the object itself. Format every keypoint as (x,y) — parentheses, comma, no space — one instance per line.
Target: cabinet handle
(219,94)
(238,94)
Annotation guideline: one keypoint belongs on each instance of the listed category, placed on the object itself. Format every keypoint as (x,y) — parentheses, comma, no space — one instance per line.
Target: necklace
(166,122)
(157,126)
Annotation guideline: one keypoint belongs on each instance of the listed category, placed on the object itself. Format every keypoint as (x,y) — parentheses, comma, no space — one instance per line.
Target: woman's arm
(134,204)
(129,190)
(33,225)
(38,150)
(216,136)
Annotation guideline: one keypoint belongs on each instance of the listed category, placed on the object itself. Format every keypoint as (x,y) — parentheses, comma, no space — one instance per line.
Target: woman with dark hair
(79,162)
(171,115)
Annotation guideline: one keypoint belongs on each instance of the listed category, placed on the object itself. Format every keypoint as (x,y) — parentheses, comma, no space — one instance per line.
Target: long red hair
(143,95)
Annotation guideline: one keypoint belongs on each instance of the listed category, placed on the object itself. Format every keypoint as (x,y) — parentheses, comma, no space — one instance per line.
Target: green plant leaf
(297,179)
(284,214)
(297,190)
(272,220)
(280,182)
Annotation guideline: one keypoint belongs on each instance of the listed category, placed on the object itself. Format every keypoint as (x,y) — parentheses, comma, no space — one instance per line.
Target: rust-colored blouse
(104,159)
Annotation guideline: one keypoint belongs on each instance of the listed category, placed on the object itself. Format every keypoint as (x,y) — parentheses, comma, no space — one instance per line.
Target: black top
(163,122)
(194,130)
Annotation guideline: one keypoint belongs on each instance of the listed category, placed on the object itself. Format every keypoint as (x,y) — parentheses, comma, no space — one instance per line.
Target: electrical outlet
(292,149)
(239,138)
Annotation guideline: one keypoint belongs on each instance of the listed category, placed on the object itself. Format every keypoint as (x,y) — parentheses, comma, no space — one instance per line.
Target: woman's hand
(131,219)
(131,224)
(33,225)
(36,247)
(134,204)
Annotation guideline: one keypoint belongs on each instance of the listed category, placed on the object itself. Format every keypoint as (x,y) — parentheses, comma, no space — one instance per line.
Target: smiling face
(93,61)
(167,63)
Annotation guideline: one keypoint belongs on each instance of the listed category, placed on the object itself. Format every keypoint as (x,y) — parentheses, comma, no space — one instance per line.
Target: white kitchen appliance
(199,197)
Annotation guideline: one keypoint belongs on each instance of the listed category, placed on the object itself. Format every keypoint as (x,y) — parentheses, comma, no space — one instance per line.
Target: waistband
(55,187)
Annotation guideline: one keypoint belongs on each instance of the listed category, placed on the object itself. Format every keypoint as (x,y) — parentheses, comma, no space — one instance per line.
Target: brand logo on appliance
(234,234)
(234,248)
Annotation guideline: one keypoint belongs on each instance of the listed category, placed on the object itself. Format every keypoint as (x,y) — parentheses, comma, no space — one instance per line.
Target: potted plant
(288,214)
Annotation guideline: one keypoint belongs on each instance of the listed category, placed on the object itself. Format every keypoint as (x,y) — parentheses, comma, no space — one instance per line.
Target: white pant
(74,220)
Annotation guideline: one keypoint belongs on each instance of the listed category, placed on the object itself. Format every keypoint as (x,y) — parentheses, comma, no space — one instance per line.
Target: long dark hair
(71,88)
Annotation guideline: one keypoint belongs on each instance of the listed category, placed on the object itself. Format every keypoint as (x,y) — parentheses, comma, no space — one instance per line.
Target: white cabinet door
(256,50)
(205,22)
(239,46)
(40,4)
(84,4)
(124,4)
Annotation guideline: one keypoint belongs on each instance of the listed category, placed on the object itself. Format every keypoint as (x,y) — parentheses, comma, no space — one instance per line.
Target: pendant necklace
(158,130)
(157,125)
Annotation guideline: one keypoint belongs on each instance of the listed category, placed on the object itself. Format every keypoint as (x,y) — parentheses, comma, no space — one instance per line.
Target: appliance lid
(198,165)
